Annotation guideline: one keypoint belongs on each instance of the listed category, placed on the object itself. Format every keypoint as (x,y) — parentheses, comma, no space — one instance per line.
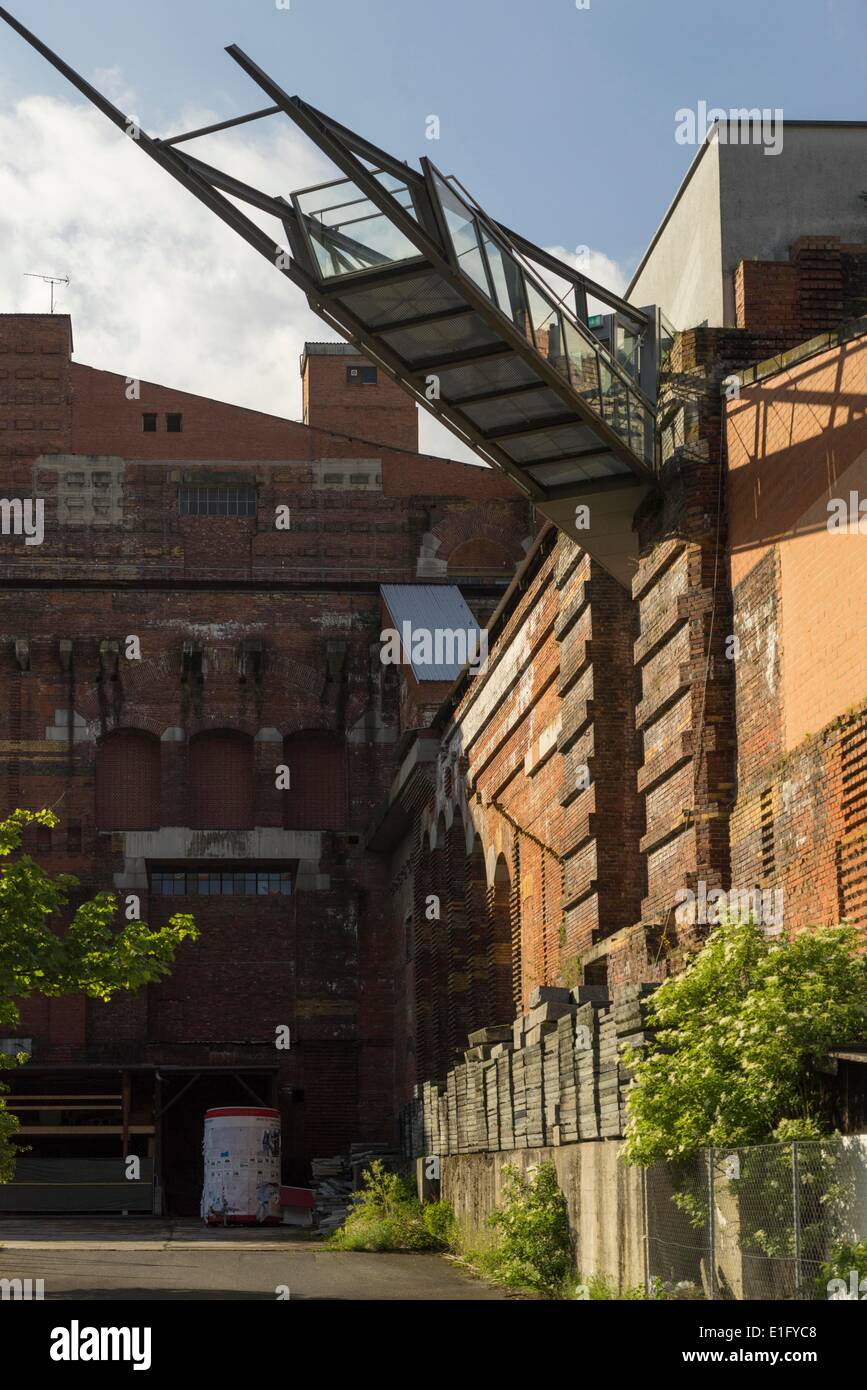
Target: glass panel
(628,349)
(636,426)
(570,471)
(348,232)
(464,234)
(508,284)
(614,406)
(545,321)
(583,370)
(399,190)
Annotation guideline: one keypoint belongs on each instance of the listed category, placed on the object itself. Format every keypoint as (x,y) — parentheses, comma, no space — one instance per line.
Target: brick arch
(209,724)
(481,555)
(504,943)
(221,780)
(127,780)
(479,540)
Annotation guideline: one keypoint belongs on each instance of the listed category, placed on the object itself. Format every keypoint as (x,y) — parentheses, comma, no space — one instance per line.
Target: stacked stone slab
(632,1024)
(554,1077)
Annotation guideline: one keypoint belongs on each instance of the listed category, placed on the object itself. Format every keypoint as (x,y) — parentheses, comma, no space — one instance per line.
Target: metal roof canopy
(433,611)
(457,309)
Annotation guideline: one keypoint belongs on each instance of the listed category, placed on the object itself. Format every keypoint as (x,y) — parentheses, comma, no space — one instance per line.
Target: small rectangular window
(174,423)
(149,423)
(361,376)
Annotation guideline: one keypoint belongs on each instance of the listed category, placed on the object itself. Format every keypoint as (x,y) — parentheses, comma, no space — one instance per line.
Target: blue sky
(560,120)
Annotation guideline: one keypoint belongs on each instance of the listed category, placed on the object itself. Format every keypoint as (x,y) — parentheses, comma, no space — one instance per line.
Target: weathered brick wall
(823,283)
(797,442)
(380,410)
(529,839)
(118,559)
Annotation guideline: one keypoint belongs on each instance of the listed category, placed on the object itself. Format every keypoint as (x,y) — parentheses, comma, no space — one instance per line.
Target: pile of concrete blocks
(555,1076)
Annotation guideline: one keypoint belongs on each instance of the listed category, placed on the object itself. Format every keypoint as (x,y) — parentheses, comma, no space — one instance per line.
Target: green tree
(738,1036)
(90,957)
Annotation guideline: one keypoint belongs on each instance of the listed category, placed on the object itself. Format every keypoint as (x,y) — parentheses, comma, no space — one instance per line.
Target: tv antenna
(51,280)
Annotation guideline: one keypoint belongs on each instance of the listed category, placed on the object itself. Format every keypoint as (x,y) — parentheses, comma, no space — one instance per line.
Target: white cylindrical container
(242,1166)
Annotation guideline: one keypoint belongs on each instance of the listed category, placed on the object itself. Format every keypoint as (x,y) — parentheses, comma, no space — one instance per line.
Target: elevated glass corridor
(486,330)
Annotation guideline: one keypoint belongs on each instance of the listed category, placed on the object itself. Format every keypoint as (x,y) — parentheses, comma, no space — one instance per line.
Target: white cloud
(595,265)
(159,287)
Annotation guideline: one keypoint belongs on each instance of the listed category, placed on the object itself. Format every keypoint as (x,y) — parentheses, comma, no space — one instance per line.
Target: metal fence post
(646,1231)
(711,1275)
(796,1211)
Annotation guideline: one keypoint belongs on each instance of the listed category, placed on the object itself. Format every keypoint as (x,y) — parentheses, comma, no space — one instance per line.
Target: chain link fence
(756,1222)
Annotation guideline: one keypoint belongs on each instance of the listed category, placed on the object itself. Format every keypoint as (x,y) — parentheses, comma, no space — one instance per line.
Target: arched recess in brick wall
(128,781)
(221,780)
(457,929)
(504,945)
(439,950)
(316,798)
(482,1011)
(480,556)
(422,928)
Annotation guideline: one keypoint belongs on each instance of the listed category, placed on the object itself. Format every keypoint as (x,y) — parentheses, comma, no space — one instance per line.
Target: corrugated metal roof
(437,630)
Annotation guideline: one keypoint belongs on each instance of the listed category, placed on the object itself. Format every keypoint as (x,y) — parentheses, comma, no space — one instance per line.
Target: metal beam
(422,319)
(221,125)
(174,163)
(468,358)
(556,422)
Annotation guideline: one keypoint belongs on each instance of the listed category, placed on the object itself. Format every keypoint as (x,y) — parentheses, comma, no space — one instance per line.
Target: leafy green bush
(738,1037)
(439,1222)
(534,1249)
(846,1256)
(386,1214)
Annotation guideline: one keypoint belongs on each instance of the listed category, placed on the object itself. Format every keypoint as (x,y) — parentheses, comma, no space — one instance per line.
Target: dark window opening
(174,423)
(361,376)
(191,662)
(73,839)
(217,500)
(246,883)
(149,424)
(43,839)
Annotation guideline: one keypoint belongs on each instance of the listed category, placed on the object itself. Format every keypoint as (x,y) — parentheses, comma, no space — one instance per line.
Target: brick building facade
(449,845)
(244,554)
(706,732)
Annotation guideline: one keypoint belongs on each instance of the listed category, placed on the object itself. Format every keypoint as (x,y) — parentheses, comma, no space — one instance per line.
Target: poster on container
(242,1167)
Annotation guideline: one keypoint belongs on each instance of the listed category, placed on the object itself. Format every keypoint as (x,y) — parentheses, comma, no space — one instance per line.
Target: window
(361,376)
(149,424)
(205,499)
(247,883)
(174,423)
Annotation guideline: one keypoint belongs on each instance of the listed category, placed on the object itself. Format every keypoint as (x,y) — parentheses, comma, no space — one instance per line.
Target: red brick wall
(823,283)
(795,444)
(128,563)
(381,411)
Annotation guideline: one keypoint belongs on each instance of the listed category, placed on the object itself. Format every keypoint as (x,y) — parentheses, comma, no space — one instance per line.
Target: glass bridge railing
(348,233)
(565,342)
